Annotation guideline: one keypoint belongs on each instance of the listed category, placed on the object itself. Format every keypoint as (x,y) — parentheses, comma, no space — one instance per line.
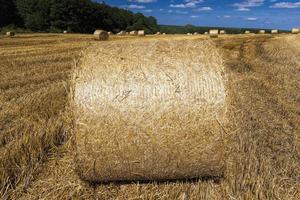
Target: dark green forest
(80,16)
(84,16)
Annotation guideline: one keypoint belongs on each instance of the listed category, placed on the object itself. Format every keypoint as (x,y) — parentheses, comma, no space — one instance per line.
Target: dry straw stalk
(155,116)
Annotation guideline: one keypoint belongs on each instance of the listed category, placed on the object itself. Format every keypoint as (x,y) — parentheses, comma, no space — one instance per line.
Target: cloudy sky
(282,14)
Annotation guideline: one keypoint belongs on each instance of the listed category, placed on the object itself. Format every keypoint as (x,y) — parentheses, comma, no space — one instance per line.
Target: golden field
(261,151)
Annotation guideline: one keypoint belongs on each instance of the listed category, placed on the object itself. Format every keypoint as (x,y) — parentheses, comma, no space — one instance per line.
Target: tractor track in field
(259,95)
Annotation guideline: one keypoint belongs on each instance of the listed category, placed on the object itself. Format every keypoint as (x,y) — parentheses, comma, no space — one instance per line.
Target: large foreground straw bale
(101,35)
(149,110)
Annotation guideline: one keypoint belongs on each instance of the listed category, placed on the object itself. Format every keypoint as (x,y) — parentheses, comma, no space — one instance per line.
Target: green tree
(74,15)
(9,13)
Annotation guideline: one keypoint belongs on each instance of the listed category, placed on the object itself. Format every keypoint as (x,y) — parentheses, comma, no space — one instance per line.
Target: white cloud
(181,12)
(187,4)
(148,10)
(286,5)
(133,6)
(247,4)
(194,16)
(203,9)
(243,9)
(142,1)
(251,19)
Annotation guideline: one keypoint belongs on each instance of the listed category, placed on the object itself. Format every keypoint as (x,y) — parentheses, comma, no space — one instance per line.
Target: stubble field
(261,148)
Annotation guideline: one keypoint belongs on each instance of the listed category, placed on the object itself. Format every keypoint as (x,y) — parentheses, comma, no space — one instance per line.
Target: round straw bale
(164,34)
(10,34)
(275,31)
(196,33)
(213,33)
(155,116)
(121,33)
(205,33)
(158,33)
(296,30)
(141,33)
(101,35)
(222,32)
(110,33)
(262,32)
(133,32)
(247,32)
(65,32)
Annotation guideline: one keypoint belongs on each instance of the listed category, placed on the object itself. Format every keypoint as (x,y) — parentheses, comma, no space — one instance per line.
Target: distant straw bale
(121,33)
(65,32)
(10,34)
(133,32)
(110,33)
(148,117)
(205,33)
(296,30)
(141,33)
(164,34)
(158,33)
(247,32)
(196,33)
(275,31)
(261,31)
(101,35)
(222,32)
(213,33)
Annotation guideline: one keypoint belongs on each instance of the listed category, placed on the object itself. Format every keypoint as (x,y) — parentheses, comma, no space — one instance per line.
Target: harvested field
(262,158)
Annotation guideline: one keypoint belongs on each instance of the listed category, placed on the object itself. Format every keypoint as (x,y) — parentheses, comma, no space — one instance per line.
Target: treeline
(192,29)
(80,16)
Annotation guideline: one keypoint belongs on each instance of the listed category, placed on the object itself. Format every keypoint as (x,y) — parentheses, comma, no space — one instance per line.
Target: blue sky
(281,14)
